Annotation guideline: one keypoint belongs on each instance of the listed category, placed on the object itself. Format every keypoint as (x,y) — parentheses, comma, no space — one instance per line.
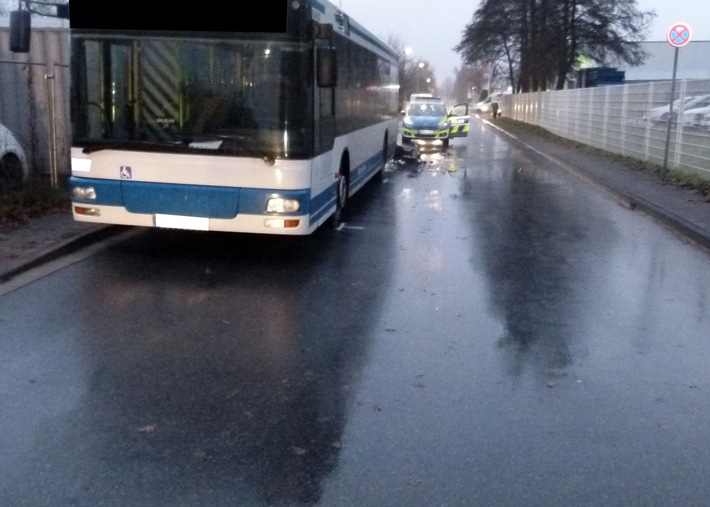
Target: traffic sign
(679,35)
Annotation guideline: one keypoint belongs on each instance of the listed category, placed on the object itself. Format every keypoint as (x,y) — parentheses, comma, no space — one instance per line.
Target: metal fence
(630,120)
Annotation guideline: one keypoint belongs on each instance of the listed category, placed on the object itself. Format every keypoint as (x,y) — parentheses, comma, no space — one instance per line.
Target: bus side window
(327,68)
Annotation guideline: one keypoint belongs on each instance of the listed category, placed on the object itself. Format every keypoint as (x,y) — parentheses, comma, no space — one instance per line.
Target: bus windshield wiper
(205,143)
(132,145)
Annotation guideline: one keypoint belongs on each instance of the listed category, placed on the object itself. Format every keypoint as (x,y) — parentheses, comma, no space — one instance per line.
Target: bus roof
(325,12)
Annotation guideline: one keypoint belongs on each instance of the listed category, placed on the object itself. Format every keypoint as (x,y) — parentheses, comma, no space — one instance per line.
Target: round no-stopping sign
(679,35)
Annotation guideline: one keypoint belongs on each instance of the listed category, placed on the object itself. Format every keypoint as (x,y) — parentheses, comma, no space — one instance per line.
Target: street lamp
(420,66)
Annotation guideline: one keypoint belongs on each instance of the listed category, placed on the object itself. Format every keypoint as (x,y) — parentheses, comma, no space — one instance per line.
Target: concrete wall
(34,98)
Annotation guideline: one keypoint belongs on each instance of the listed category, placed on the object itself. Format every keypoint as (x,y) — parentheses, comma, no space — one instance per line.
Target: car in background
(423,96)
(705,122)
(419,97)
(13,163)
(697,102)
(486,106)
(695,116)
(661,114)
(426,123)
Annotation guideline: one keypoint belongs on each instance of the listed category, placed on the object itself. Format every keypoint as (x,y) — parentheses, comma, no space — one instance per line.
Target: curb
(63,248)
(626,197)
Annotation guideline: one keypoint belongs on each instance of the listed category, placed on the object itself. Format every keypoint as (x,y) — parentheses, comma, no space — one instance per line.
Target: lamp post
(420,66)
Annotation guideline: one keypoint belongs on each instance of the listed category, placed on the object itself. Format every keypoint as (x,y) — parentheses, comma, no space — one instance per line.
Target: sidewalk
(686,211)
(42,239)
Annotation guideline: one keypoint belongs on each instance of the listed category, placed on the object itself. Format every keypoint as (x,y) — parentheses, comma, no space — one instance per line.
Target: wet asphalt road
(485,330)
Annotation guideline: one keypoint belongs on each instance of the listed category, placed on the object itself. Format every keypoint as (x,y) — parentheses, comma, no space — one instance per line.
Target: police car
(426,122)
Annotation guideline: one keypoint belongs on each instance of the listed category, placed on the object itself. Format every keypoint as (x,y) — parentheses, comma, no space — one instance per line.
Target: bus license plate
(181,222)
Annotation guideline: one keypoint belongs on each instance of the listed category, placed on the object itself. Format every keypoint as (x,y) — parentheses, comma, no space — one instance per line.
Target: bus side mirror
(20,29)
(326,67)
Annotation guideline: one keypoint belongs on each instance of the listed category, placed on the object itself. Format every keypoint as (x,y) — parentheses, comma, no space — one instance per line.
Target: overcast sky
(432,28)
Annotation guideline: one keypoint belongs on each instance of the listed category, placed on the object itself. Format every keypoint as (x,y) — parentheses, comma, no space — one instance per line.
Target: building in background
(692,62)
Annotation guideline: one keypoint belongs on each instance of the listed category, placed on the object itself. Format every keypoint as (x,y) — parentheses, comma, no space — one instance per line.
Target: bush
(34,198)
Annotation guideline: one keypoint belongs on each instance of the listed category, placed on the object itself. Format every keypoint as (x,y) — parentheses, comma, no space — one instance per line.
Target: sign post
(678,36)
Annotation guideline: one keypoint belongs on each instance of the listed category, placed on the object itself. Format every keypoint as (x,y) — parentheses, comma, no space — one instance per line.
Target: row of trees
(416,75)
(537,44)
(532,45)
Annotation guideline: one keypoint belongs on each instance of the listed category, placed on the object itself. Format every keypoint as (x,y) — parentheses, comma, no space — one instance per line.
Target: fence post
(670,117)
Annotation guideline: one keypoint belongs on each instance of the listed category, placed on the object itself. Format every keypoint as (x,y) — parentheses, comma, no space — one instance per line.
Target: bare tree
(411,75)
(489,38)
(540,41)
(470,83)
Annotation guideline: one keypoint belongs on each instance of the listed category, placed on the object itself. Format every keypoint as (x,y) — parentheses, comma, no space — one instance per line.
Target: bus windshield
(228,97)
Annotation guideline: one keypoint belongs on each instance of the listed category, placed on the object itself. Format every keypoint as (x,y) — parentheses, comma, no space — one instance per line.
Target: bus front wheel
(341,197)
(383,168)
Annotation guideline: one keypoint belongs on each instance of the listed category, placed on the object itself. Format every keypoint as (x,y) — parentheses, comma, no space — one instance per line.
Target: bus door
(325,90)
(325,120)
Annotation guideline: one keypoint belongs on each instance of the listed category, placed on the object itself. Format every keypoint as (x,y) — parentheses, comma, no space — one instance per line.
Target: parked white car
(13,163)
(688,110)
(485,106)
(694,117)
(660,114)
(705,122)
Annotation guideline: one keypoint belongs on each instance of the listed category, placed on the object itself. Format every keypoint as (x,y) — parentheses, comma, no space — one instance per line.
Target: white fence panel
(632,120)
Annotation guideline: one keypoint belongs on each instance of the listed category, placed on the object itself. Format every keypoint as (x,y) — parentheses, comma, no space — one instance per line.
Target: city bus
(264,120)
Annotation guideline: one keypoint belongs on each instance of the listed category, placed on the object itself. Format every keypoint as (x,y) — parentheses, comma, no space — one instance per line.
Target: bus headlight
(83,193)
(282,205)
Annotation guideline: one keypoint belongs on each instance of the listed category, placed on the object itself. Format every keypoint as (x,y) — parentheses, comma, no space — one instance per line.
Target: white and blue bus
(222,120)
